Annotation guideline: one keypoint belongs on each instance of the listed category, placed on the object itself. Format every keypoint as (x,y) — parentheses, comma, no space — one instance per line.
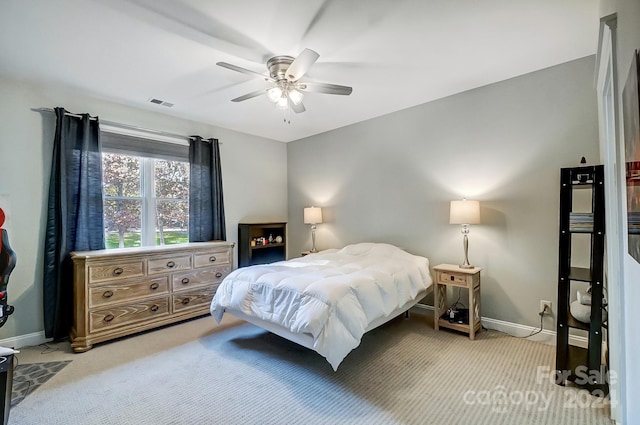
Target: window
(146,192)
(146,201)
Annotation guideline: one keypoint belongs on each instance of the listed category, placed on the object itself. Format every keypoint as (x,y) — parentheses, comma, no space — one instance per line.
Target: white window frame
(147,197)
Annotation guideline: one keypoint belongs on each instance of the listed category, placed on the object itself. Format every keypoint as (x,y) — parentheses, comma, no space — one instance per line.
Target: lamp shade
(464,212)
(312,215)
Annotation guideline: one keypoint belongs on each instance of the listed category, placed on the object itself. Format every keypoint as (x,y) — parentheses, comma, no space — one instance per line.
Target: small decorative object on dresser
(119,292)
(456,276)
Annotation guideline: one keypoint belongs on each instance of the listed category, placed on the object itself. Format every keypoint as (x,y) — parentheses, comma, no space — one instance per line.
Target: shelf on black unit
(575,323)
(580,273)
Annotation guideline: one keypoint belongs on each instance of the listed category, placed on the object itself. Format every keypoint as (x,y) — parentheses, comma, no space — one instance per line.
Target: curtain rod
(120,125)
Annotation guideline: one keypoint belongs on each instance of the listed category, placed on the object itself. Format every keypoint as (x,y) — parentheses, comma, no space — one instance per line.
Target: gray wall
(390,179)
(253,168)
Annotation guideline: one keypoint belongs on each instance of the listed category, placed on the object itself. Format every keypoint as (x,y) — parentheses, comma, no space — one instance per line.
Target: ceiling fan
(285,88)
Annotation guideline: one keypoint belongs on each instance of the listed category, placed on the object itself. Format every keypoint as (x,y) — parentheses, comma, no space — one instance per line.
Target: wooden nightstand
(453,275)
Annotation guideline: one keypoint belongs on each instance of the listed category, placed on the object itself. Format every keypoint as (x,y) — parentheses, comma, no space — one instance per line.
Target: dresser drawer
(118,270)
(452,278)
(191,300)
(128,314)
(212,258)
(127,291)
(187,280)
(157,265)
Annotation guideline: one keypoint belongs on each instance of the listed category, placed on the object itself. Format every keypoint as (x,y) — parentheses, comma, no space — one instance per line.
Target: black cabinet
(261,243)
(581,366)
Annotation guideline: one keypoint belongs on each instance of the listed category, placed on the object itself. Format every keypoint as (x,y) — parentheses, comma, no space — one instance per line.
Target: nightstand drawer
(451,278)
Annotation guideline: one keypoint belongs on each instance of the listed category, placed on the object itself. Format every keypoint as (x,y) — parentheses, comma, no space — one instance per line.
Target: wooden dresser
(119,292)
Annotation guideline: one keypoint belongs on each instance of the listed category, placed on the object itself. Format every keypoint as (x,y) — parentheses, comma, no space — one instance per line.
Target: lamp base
(466,266)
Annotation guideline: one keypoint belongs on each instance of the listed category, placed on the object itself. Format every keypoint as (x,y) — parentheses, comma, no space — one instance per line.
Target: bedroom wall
(390,179)
(251,190)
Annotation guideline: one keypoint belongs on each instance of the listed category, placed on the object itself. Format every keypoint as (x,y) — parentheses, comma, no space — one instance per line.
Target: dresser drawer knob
(185,301)
(155,307)
(212,258)
(108,318)
(171,264)
(452,277)
(154,286)
(118,271)
(218,274)
(185,280)
(107,294)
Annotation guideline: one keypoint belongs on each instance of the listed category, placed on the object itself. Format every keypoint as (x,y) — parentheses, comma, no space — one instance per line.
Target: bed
(326,301)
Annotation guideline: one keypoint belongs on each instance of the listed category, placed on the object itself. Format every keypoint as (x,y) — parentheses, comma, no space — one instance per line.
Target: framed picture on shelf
(631,118)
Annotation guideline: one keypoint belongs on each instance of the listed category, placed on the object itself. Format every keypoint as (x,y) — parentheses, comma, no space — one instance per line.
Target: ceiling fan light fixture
(274,94)
(295,96)
(284,87)
(282,103)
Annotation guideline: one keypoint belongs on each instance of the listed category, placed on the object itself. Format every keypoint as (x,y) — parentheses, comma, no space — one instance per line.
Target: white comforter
(332,295)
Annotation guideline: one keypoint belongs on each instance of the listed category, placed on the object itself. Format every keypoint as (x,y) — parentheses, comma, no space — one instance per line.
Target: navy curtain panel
(206,203)
(74,215)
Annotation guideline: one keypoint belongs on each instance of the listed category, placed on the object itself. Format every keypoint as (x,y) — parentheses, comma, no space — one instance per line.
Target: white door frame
(612,155)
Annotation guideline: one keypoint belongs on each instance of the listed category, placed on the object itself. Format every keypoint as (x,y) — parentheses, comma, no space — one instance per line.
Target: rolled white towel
(584,299)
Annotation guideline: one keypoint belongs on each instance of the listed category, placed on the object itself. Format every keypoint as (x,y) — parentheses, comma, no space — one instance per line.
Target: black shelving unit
(250,254)
(581,366)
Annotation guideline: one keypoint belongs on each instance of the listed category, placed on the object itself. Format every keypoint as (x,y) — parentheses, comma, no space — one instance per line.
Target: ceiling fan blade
(298,109)
(244,70)
(249,95)
(301,64)
(192,24)
(325,88)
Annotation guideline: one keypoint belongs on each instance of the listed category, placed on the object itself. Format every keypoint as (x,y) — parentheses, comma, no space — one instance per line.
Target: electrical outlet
(545,307)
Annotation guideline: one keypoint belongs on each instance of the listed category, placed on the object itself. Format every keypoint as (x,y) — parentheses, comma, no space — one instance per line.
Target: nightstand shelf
(452,275)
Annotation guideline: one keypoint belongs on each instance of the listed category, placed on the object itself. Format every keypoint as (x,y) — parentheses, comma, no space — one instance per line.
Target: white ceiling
(394,53)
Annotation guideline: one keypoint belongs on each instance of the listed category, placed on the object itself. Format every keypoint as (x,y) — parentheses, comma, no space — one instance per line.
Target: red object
(2,294)
(2,216)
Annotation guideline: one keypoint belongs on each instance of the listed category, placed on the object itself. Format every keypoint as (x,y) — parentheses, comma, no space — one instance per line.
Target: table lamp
(313,216)
(465,213)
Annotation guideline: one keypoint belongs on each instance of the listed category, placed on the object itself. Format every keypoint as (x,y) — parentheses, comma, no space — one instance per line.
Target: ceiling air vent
(161,102)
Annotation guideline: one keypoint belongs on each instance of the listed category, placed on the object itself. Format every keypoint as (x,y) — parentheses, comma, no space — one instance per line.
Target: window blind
(141,146)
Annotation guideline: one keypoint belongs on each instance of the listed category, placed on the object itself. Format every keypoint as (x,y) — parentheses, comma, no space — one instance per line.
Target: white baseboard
(514,329)
(517,330)
(27,340)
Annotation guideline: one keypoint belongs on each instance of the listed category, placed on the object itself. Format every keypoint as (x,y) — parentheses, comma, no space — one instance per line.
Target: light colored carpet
(402,373)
